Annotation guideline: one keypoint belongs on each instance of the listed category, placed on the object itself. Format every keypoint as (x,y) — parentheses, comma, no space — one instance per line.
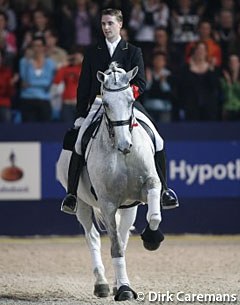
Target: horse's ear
(101,76)
(131,74)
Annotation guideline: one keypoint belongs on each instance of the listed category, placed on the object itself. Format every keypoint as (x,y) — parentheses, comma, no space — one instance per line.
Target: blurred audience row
(191,50)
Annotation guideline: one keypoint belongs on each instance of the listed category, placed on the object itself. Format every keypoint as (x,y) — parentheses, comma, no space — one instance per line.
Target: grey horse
(121,170)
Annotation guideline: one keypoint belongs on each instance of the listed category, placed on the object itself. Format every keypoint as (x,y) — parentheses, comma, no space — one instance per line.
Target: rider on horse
(98,58)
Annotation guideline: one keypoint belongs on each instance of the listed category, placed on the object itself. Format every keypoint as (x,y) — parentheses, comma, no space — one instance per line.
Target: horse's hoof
(101,290)
(125,293)
(152,239)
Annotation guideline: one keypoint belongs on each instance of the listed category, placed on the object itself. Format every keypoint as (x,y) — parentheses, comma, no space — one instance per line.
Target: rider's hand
(78,122)
(135,90)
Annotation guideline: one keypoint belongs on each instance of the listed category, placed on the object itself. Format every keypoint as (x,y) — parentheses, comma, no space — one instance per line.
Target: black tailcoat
(97,58)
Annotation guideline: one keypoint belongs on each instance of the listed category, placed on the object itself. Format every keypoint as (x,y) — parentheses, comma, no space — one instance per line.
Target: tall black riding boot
(69,204)
(169,199)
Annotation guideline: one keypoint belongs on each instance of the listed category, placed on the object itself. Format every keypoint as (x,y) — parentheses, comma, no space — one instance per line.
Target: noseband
(116,90)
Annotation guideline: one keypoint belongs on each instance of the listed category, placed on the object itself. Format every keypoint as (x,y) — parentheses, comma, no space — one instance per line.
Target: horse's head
(117,97)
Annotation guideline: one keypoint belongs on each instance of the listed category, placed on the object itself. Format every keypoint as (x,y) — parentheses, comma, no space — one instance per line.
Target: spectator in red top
(7,81)
(205,35)
(69,76)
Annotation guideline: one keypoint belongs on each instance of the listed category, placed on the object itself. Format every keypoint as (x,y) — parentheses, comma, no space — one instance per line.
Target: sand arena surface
(58,270)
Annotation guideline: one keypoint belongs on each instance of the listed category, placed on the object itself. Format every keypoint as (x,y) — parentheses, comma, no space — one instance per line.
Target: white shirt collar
(112,45)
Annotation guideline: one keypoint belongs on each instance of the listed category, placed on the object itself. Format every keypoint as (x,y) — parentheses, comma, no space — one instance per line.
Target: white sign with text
(20,171)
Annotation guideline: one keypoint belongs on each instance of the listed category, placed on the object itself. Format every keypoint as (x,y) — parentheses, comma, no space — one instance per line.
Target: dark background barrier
(218,214)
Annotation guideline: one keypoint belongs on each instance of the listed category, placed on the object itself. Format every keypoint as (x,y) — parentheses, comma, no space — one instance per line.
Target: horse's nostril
(126,151)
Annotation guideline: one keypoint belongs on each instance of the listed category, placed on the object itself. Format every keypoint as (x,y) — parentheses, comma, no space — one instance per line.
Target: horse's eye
(105,104)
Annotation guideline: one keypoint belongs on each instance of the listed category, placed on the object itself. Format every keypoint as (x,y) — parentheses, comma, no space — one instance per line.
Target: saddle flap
(70,138)
(148,131)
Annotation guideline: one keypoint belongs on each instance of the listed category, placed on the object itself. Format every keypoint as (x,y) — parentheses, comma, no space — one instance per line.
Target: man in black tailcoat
(110,49)
(98,58)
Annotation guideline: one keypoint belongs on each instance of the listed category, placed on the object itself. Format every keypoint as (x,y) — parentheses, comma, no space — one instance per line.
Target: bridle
(111,124)
(117,89)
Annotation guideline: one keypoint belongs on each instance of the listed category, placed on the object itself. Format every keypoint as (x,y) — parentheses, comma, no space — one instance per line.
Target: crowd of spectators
(191,50)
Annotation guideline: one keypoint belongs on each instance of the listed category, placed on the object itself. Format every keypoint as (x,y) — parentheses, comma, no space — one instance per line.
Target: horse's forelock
(117,77)
(114,66)
(118,70)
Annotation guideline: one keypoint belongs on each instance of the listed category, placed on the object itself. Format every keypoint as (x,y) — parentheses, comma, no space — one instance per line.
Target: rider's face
(111,27)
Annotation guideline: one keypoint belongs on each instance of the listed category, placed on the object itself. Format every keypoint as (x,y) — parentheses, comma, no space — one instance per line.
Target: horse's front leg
(154,211)
(84,215)
(152,235)
(125,220)
(124,292)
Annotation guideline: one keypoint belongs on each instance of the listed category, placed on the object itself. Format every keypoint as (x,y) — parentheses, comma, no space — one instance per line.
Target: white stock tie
(111,49)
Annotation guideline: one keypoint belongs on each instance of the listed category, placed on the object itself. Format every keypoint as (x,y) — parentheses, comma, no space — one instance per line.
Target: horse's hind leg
(84,215)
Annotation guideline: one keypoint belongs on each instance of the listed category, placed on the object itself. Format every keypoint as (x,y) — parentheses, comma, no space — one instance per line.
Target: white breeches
(90,118)
(97,105)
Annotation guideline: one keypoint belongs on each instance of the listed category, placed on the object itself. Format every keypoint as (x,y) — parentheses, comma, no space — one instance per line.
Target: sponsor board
(195,169)
(204,169)
(51,188)
(202,173)
(20,171)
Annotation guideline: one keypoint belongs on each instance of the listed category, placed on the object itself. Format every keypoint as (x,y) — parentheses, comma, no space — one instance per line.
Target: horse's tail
(99,219)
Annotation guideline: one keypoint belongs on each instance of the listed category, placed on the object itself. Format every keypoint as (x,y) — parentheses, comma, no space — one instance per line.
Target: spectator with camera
(158,97)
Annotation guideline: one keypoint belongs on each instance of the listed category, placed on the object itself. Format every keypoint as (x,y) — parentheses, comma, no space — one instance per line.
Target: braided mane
(114,66)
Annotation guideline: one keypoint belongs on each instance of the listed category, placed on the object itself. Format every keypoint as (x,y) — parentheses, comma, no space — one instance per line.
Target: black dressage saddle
(71,135)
